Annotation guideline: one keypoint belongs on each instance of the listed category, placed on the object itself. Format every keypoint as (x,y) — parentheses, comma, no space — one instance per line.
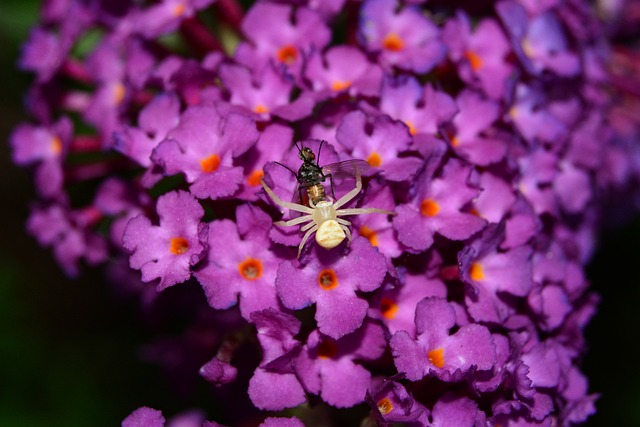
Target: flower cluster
(491,133)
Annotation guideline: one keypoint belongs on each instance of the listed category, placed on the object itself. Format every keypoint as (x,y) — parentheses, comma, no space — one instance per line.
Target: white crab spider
(323,218)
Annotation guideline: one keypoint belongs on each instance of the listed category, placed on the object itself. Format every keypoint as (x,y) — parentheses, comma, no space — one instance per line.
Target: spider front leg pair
(322,218)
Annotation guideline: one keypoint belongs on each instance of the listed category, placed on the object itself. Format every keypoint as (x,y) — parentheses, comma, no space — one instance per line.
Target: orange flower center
(327,279)
(179,245)
(339,85)
(250,269)
(388,307)
(210,164)
(261,109)
(254,178)
(56,145)
(369,234)
(476,271)
(327,349)
(393,42)
(429,207)
(287,54)
(374,159)
(179,10)
(385,406)
(436,357)
(119,91)
(412,129)
(474,60)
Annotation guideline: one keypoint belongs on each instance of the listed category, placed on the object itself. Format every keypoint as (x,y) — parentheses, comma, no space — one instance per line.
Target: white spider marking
(323,218)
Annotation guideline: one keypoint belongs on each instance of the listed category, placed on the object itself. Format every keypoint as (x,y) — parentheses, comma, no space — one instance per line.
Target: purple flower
(328,367)
(378,140)
(491,272)
(403,38)
(144,417)
(539,42)
(168,250)
(284,40)
(330,281)
(203,147)
(274,385)
(392,403)
(437,352)
(281,422)
(482,56)
(422,109)
(438,207)
(238,263)
(343,69)
(154,123)
(472,137)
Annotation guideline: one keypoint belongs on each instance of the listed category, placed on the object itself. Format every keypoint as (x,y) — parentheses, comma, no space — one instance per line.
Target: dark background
(69,351)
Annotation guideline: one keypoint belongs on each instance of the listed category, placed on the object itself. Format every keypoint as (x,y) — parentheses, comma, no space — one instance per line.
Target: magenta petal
(144,417)
(408,356)
(344,384)
(339,314)
(272,391)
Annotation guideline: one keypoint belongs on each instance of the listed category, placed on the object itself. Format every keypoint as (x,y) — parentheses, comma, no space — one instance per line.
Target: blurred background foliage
(69,349)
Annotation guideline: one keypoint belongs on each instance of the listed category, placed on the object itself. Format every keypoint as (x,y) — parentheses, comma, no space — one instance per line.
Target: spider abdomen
(330,234)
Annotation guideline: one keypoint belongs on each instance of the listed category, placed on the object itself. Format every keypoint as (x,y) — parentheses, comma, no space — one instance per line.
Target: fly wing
(347,168)
(342,175)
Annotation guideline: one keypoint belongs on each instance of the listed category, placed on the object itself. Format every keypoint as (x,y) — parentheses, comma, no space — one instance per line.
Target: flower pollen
(56,145)
(474,60)
(287,54)
(179,10)
(393,42)
(476,272)
(385,406)
(327,279)
(119,91)
(388,307)
(374,159)
(327,349)
(261,109)
(210,163)
(412,128)
(179,245)
(254,177)
(429,208)
(436,357)
(369,234)
(250,269)
(339,85)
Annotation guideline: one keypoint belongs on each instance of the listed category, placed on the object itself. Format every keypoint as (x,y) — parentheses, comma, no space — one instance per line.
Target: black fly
(311,176)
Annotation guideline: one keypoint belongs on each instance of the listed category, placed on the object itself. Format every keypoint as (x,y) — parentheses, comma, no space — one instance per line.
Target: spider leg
(343,221)
(307,226)
(362,211)
(292,206)
(347,232)
(306,237)
(351,194)
(294,221)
